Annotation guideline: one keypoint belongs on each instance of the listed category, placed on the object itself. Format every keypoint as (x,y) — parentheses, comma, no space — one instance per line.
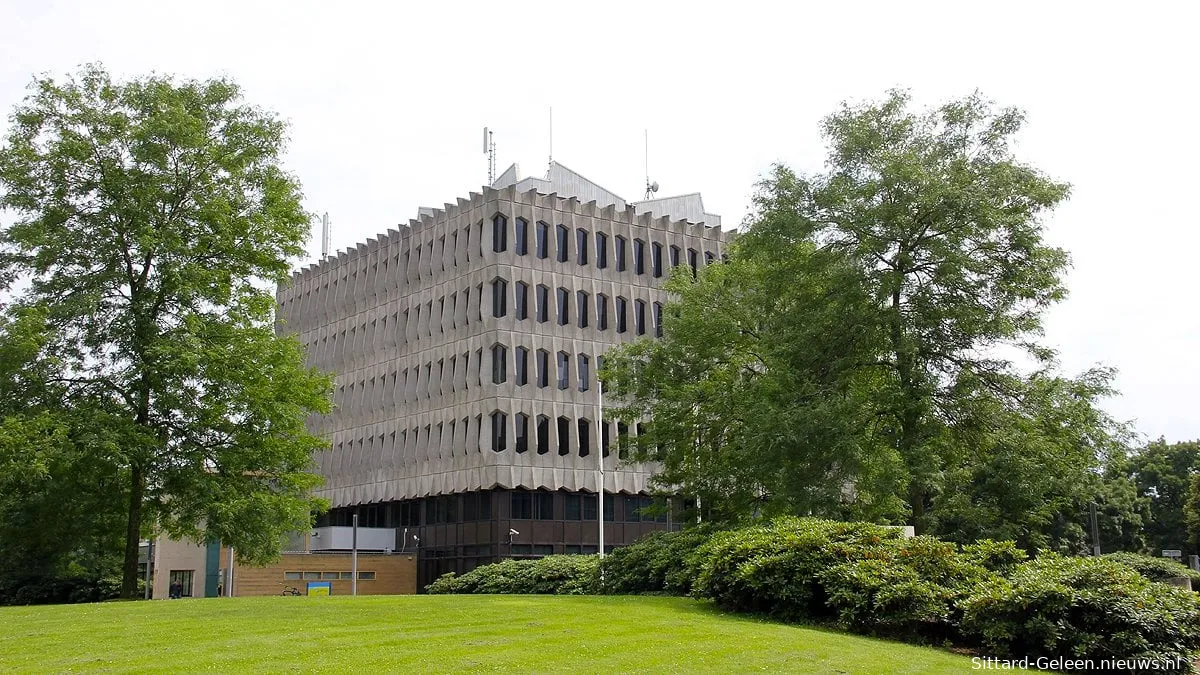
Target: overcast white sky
(387,102)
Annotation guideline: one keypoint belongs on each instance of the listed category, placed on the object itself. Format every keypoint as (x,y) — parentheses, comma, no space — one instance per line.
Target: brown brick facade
(394,574)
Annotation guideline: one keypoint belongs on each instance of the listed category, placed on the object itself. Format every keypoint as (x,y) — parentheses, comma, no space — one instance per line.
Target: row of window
(463,371)
(536,436)
(477,506)
(541,433)
(582,310)
(431,317)
(541,367)
(624,252)
(327,576)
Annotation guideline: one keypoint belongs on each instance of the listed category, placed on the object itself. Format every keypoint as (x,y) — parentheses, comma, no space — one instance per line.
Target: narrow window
(499,298)
(564,370)
(521,243)
(585,444)
(522,366)
(601,250)
(543,509)
(499,234)
(639,256)
(601,311)
(499,431)
(709,257)
(522,506)
(581,246)
(584,373)
(692,260)
(656,261)
(562,232)
(499,364)
(521,422)
(543,300)
(564,297)
(619,244)
(543,233)
(658,316)
(564,436)
(522,300)
(543,434)
(581,307)
(622,439)
(605,441)
(639,317)
(543,368)
(674,256)
(620,309)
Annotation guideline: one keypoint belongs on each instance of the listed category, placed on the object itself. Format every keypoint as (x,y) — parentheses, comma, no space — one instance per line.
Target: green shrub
(656,563)
(901,587)
(40,590)
(1156,569)
(1094,608)
(775,569)
(1001,557)
(552,575)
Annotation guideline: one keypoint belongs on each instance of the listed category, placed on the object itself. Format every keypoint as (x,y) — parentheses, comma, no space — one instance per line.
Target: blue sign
(320,588)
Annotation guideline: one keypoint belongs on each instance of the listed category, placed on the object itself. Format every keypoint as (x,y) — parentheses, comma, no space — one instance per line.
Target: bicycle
(289,590)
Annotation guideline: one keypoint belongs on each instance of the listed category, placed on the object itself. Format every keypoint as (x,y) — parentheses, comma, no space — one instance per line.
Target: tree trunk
(133,534)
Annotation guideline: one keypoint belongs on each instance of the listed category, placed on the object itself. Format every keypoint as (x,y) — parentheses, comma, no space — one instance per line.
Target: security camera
(512,532)
(316,534)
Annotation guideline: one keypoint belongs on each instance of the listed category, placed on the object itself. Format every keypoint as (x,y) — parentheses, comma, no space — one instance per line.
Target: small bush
(775,569)
(1156,569)
(656,563)
(552,575)
(1001,557)
(902,587)
(1092,608)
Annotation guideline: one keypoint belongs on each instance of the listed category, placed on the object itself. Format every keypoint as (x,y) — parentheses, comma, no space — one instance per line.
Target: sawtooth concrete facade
(438,333)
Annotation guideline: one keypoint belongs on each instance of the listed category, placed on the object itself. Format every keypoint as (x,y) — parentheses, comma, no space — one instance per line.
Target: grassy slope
(436,633)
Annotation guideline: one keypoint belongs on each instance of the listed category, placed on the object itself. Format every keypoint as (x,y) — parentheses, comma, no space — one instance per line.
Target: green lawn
(436,634)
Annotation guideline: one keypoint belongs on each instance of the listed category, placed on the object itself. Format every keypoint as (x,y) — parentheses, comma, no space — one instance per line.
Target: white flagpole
(600,461)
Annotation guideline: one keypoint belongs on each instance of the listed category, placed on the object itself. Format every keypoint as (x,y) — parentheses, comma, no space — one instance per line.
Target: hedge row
(40,590)
(870,579)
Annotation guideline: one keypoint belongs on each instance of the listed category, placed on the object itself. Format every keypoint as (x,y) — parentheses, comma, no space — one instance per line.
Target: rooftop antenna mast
(651,188)
(551,163)
(489,149)
(325,236)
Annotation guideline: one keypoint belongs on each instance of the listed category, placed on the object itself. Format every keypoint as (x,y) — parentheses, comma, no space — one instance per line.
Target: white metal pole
(600,461)
(354,558)
(229,575)
(149,563)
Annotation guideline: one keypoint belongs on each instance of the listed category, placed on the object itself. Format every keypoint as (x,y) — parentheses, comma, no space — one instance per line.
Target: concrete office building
(465,347)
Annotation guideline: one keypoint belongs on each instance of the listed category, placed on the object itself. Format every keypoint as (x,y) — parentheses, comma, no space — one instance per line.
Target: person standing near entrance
(176,590)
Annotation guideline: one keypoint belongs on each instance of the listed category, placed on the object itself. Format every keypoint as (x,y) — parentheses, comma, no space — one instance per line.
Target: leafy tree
(1163,472)
(151,217)
(755,392)
(1034,464)
(849,358)
(944,224)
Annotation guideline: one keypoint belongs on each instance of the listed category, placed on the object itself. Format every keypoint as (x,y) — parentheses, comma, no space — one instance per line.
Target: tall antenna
(551,163)
(489,149)
(325,236)
(651,188)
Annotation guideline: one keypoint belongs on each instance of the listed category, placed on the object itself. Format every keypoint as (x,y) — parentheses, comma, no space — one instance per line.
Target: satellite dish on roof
(654,186)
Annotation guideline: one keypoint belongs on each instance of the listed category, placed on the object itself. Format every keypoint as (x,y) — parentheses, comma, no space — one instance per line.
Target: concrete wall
(394,574)
(172,555)
(406,323)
